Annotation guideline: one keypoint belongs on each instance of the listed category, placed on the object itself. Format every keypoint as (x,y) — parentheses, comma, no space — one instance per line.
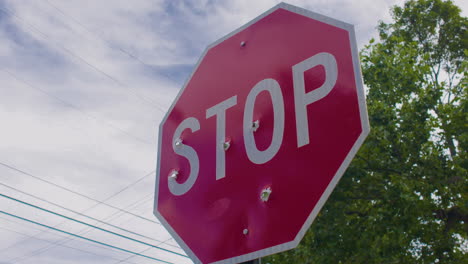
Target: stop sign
(259,136)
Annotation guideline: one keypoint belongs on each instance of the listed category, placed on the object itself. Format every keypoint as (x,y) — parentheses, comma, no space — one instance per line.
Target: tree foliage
(404,197)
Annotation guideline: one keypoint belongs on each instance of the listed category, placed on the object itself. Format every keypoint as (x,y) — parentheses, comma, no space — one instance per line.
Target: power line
(61,242)
(76,193)
(76,21)
(97,69)
(78,57)
(98,202)
(90,225)
(31,237)
(84,238)
(134,205)
(143,251)
(70,247)
(68,104)
(68,239)
(86,216)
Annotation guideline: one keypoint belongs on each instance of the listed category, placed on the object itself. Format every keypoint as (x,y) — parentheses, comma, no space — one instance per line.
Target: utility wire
(78,57)
(83,215)
(141,252)
(98,202)
(92,66)
(131,206)
(110,45)
(70,247)
(64,241)
(69,239)
(6,218)
(61,242)
(70,105)
(84,238)
(136,204)
(76,193)
(90,225)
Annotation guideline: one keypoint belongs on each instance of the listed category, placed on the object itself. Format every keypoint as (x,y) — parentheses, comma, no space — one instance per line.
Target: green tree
(404,197)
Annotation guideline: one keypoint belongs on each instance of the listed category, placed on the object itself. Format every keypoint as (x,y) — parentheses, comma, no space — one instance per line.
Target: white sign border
(365,131)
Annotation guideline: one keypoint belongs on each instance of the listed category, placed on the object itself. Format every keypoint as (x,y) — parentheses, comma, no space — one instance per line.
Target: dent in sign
(301,100)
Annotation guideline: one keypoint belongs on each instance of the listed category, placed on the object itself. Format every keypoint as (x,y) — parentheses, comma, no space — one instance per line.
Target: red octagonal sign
(260,135)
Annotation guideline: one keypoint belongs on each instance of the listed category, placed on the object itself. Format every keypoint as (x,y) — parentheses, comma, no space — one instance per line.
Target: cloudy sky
(83,87)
